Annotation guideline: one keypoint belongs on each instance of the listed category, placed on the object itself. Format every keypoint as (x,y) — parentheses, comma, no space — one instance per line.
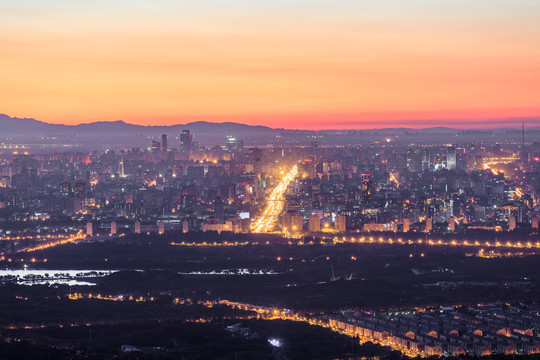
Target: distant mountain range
(208,133)
(22,127)
(203,131)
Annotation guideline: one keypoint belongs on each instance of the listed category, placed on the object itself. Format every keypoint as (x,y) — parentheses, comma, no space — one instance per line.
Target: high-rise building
(429,224)
(137,227)
(292,223)
(164,142)
(231,143)
(121,168)
(426,161)
(410,159)
(406,225)
(296,223)
(155,146)
(366,191)
(340,224)
(185,226)
(89,229)
(227,193)
(534,222)
(512,223)
(452,224)
(314,224)
(185,141)
(113,228)
(451,158)
(161,227)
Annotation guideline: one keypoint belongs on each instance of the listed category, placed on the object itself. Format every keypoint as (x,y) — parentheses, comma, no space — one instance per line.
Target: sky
(302,64)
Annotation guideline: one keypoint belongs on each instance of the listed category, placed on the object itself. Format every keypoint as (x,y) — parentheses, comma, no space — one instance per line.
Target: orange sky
(294,64)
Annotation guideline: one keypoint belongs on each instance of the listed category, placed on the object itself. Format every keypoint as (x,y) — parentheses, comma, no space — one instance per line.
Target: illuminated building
(292,222)
(113,228)
(406,225)
(534,222)
(155,146)
(314,223)
(340,223)
(185,226)
(137,227)
(511,223)
(89,229)
(121,169)
(452,224)
(366,190)
(429,224)
(451,158)
(392,226)
(231,143)
(161,227)
(185,141)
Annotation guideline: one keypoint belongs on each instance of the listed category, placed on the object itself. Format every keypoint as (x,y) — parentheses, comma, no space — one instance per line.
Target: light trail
(275,202)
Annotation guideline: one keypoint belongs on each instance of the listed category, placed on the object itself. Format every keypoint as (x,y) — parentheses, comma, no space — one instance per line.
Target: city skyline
(346,65)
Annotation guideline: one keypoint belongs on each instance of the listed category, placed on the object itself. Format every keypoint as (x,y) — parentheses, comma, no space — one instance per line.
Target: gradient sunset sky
(303,64)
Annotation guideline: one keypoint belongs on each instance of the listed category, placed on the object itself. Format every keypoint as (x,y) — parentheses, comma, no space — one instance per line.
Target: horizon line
(516,123)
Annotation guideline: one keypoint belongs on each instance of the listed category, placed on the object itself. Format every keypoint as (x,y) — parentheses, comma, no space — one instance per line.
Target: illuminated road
(275,202)
(491,162)
(394,178)
(369,240)
(317,320)
(47,241)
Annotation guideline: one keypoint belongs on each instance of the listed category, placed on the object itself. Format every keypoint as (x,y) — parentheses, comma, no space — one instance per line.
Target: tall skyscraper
(164,142)
(426,161)
(451,158)
(185,141)
(231,143)
(121,168)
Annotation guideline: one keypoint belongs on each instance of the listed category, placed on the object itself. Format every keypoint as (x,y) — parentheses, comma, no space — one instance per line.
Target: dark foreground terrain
(158,301)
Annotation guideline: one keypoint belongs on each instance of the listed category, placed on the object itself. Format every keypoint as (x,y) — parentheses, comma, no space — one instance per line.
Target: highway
(274,204)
